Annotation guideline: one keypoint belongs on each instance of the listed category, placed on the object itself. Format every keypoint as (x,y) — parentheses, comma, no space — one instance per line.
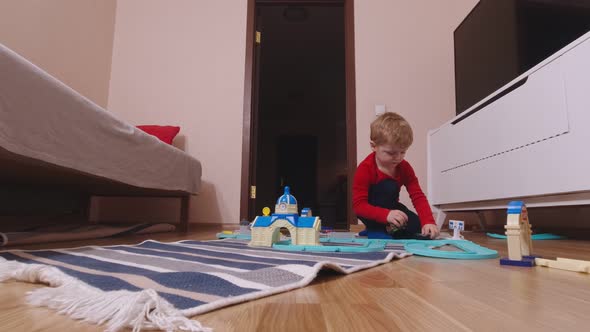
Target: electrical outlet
(379,109)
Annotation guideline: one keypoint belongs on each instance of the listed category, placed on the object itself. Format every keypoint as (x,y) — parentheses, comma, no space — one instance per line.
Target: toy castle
(304,229)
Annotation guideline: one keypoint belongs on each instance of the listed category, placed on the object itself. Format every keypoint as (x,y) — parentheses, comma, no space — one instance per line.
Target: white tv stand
(529,140)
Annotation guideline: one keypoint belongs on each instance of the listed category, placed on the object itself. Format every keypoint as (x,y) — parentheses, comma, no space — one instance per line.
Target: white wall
(70,39)
(404,59)
(182,63)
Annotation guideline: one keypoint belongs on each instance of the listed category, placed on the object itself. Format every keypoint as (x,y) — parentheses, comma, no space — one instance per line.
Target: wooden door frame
(350,92)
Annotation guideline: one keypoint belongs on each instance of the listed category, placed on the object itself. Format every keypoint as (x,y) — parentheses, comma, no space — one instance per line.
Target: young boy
(379,178)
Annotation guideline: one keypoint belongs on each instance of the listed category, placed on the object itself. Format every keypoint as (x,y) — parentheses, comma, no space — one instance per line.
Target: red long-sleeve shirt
(368,174)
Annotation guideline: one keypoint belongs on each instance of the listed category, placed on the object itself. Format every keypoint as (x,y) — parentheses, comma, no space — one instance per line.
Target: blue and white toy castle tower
(304,229)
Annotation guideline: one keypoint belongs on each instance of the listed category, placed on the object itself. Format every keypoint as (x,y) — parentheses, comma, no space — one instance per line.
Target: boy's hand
(397,218)
(431,230)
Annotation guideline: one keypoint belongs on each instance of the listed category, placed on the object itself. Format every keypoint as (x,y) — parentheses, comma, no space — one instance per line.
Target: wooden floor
(411,294)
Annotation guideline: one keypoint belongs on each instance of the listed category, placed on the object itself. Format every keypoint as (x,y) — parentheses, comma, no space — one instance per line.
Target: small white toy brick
(457,226)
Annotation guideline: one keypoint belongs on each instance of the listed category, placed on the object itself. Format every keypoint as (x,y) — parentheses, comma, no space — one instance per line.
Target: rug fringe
(117,309)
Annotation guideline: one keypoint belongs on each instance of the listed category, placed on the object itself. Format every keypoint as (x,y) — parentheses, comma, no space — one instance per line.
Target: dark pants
(385,194)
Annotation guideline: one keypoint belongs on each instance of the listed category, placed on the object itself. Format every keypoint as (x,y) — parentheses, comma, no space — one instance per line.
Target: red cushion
(165,133)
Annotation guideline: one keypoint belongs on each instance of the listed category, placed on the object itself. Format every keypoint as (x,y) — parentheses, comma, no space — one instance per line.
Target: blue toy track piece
(547,236)
(470,249)
(542,236)
(234,236)
(334,241)
(370,246)
(417,247)
(380,235)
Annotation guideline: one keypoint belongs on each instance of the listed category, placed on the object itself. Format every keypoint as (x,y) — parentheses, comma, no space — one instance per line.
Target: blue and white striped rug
(157,285)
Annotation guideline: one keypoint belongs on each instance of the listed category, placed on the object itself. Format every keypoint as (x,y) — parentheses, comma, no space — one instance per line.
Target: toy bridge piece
(565,264)
(304,229)
(457,226)
(518,233)
(468,250)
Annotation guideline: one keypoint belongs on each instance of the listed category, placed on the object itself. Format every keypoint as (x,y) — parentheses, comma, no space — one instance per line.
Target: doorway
(300,109)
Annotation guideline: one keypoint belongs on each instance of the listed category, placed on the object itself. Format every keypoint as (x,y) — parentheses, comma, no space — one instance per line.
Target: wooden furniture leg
(184,206)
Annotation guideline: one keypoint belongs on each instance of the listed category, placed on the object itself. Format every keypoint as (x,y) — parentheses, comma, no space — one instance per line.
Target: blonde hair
(391,128)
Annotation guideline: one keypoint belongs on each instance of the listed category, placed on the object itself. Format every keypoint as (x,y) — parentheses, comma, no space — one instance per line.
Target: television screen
(501,39)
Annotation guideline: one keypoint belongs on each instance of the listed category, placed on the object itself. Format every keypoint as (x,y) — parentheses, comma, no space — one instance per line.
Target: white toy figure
(457,226)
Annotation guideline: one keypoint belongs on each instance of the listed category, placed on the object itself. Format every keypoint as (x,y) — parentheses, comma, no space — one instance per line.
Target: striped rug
(157,285)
